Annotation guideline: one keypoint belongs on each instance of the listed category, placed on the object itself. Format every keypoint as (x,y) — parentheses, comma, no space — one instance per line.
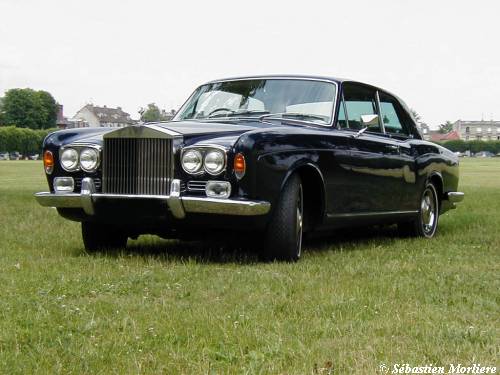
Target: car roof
(300,76)
(282,76)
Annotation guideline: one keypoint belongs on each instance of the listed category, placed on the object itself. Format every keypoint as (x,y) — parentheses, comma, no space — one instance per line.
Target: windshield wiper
(292,115)
(236,114)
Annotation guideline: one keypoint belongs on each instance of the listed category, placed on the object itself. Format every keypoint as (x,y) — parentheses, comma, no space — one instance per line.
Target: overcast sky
(441,57)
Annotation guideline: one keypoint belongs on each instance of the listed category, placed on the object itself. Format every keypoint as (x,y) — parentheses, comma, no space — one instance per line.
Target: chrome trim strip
(177,204)
(367,214)
(455,196)
(83,144)
(164,130)
(196,185)
(380,119)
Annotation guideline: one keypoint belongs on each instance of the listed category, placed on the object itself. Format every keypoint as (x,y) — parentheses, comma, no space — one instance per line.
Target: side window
(360,100)
(393,115)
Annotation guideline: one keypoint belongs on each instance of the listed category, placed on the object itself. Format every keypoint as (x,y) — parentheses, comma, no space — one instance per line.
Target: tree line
(26,141)
(472,146)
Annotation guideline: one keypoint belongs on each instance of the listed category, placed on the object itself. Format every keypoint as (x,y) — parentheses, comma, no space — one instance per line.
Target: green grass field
(353,302)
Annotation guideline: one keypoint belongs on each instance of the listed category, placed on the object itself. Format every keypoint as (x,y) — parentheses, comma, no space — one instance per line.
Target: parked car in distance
(15,155)
(4,155)
(270,156)
(484,154)
(34,157)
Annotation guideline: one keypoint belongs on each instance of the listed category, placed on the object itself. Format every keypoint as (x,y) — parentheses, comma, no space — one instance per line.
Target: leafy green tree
(49,108)
(27,108)
(151,113)
(1,112)
(446,127)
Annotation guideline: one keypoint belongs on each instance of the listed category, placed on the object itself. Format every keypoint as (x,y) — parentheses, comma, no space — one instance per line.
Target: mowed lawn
(354,301)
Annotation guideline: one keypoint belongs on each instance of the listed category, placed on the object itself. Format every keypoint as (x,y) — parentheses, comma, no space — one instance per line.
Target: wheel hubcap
(428,210)
(299,223)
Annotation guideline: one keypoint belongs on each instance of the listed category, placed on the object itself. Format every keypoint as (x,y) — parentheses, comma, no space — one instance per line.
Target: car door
(375,165)
(399,128)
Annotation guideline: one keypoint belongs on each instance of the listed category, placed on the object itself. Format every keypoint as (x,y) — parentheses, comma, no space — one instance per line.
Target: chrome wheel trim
(428,211)
(299,221)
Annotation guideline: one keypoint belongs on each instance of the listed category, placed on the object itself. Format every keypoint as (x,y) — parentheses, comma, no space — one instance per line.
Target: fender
(435,174)
(440,189)
(317,203)
(300,164)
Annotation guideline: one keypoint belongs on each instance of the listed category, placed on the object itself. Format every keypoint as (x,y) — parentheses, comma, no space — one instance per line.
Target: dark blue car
(273,156)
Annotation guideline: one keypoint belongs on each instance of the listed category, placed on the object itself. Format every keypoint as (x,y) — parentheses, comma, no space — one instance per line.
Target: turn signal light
(240,165)
(48,161)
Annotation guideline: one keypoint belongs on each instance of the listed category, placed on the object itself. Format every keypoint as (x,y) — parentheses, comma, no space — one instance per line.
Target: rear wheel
(426,222)
(283,240)
(97,236)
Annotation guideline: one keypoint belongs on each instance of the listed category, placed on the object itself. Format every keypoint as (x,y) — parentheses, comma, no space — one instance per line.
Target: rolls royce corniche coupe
(275,157)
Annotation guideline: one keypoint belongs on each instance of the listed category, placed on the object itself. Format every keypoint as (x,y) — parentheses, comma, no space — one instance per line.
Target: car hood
(224,133)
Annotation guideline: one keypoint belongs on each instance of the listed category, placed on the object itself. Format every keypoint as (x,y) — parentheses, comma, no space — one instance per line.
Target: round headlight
(215,161)
(89,158)
(69,159)
(192,161)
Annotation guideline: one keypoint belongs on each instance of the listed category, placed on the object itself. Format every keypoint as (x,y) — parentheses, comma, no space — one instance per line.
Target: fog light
(218,189)
(64,184)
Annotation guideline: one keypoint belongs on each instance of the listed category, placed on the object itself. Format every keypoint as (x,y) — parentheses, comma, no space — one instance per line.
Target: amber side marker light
(48,162)
(240,165)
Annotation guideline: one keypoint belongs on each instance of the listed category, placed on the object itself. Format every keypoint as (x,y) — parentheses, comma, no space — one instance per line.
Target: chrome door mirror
(369,120)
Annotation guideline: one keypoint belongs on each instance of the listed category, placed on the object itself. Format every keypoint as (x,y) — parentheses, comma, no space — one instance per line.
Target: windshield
(304,100)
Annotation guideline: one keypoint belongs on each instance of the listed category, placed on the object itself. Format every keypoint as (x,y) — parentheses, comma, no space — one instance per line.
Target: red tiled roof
(451,136)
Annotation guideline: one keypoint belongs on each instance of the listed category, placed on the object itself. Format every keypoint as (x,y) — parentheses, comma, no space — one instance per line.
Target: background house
(436,136)
(477,130)
(63,122)
(103,117)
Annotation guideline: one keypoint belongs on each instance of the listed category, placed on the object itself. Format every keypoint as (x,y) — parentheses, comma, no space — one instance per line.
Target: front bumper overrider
(177,204)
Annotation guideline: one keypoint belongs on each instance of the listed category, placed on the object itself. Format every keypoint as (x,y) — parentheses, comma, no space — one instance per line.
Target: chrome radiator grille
(137,166)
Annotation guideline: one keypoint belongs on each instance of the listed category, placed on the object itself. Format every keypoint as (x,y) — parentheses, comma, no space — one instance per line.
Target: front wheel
(97,236)
(426,222)
(283,240)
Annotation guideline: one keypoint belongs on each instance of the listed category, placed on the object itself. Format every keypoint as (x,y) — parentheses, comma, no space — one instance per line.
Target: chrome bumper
(450,200)
(177,204)
(455,196)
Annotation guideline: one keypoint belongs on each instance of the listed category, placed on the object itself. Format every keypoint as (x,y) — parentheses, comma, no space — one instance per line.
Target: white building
(477,130)
(96,117)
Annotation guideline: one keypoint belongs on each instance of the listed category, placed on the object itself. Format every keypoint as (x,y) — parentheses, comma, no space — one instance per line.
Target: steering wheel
(220,109)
